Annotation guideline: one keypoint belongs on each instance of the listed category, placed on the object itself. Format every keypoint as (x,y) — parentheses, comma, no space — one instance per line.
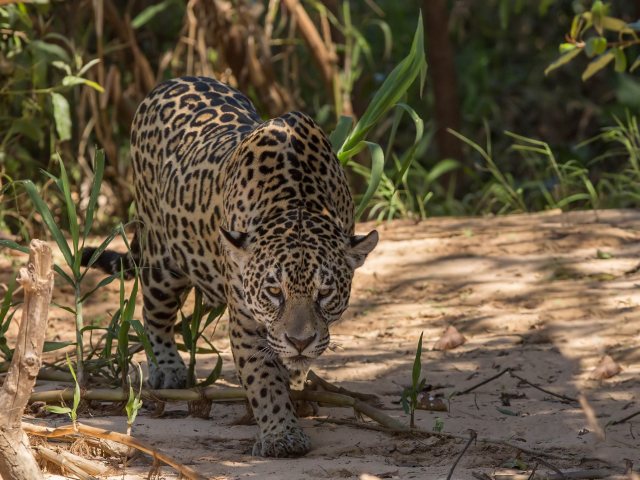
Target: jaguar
(257,216)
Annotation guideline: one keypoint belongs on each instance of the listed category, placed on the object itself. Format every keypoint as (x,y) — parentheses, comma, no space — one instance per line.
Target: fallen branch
(564,397)
(16,460)
(583,474)
(472,436)
(330,387)
(62,462)
(484,382)
(423,431)
(115,436)
(622,420)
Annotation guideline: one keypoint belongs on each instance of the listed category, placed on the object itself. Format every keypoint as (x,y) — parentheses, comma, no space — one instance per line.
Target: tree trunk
(16,460)
(442,70)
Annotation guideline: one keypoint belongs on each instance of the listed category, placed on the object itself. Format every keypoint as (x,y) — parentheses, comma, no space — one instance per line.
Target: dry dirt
(528,292)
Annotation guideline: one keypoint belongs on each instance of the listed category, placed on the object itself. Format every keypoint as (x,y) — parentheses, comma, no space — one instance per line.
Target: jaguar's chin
(297,362)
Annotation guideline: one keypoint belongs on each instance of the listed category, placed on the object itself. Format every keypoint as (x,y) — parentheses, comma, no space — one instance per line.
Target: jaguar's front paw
(163,376)
(290,442)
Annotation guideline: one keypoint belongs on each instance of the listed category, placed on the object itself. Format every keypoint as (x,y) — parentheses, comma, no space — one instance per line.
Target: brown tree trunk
(16,460)
(442,70)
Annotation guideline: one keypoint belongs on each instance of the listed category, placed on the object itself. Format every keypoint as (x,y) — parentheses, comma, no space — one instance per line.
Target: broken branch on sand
(115,436)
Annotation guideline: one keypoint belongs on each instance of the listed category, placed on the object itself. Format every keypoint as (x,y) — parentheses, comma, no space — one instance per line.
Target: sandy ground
(528,292)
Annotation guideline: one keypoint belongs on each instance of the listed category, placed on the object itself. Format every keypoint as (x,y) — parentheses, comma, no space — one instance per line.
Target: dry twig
(64,463)
(16,459)
(472,436)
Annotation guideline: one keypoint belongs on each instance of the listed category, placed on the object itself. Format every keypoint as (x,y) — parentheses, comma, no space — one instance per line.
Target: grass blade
(144,339)
(95,192)
(377,169)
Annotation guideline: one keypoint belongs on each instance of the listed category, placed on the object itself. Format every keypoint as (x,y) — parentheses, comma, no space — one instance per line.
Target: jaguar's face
(298,283)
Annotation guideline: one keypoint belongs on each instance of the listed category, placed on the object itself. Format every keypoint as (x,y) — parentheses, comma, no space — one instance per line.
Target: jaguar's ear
(359,247)
(236,244)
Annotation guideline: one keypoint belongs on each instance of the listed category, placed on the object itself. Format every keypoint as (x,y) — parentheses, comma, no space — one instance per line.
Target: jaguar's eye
(324,292)
(275,291)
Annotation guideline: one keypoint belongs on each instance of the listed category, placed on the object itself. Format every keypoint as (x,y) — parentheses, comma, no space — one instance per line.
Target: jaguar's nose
(300,345)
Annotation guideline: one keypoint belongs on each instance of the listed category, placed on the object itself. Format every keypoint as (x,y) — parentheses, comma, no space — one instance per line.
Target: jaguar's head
(296,272)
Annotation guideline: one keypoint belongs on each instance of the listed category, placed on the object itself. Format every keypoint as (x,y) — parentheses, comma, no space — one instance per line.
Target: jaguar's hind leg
(163,290)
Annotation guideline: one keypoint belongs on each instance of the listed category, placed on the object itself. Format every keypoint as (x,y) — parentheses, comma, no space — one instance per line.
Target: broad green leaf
(621,59)
(186,334)
(62,115)
(148,13)
(213,314)
(144,339)
(215,373)
(131,304)
(419,124)
(403,400)
(50,51)
(597,14)
(595,46)
(566,47)
(417,365)
(440,168)
(63,274)
(391,90)
(14,246)
(47,217)
(506,411)
(95,191)
(608,23)
(566,58)
(340,133)
(123,339)
(72,80)
(598,64)
(53,346)
(377,169)
(61,410)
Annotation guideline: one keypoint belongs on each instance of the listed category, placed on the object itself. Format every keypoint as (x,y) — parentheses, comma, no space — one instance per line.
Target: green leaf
(62,115)
(574,27)
(515,463)
(391,90)
(506,411)
(417,365)
(95,191)
(61,410)
(597,14)
(131,304)
(566,58)
(636,63)
(72,80)
(6,304)
(76,393)
(377,169)
(123,339)
(621,59)
(566,47)
(47,217)
(439,425)
(101,248)
(14,246)
(504,13)
(87,66)
(148,13)
(186,334)
(595,46)
(62,273)
(53,346)
(603,255)
(144,339)
(103,283)
(339,135)
(598,64)
(419,132)
(68,309)
(404,402)
(71,212)
(215,373)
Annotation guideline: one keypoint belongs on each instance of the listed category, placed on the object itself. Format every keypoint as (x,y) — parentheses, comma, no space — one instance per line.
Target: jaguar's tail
(110,261)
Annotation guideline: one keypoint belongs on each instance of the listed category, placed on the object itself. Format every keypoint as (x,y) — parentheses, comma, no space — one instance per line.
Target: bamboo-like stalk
(115,436)
(65,463)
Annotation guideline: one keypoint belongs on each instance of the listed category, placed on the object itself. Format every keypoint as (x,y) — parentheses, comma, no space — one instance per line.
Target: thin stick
(564,397)
(622,420)
(330,387)
(552,467)
(471,389)
(59,460)
(533,472)
(115,436)
(472,436)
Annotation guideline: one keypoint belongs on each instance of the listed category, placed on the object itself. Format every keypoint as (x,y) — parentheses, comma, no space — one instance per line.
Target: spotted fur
(258,216)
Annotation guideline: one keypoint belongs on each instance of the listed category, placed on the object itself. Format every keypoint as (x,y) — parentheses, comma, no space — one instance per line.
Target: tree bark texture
(16,459)
(440,57)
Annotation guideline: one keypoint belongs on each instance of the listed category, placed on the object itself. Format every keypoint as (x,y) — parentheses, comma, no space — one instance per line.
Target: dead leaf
(606,369)
(426,401)
(450,339)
